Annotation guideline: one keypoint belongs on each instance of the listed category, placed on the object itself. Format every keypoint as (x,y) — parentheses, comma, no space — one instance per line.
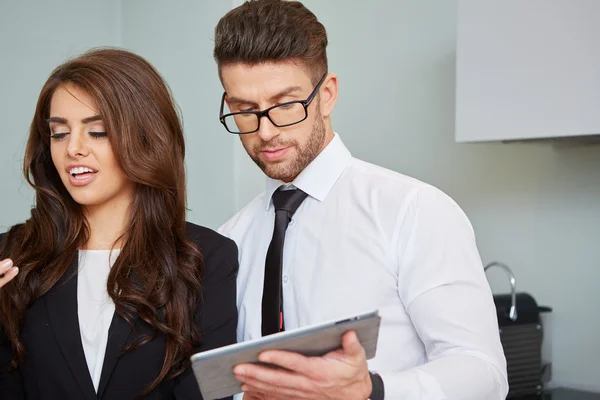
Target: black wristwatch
(377,392)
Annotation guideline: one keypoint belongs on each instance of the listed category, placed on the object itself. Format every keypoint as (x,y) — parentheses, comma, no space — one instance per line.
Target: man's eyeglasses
(280,115)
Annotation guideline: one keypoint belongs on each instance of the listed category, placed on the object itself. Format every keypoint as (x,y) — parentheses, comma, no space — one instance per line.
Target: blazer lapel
(118,335)
(61,305)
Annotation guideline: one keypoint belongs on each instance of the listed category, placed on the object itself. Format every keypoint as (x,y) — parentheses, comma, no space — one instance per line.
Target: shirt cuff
(412,384)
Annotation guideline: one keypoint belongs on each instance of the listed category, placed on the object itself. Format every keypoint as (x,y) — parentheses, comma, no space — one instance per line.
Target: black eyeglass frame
(265,113)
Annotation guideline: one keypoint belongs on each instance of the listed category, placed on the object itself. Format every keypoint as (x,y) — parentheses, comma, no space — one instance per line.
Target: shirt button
(292,222)
(286,279)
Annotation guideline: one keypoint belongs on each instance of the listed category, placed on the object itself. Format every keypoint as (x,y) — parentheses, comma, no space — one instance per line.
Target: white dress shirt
(367,238)
(94,306)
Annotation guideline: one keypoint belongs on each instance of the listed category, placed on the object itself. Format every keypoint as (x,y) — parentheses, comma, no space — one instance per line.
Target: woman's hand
(7,271)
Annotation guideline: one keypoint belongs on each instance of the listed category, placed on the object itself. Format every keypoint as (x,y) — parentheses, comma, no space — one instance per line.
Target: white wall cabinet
(527,69)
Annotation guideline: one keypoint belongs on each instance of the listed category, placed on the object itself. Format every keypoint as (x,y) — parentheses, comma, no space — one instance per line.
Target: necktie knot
(288,200)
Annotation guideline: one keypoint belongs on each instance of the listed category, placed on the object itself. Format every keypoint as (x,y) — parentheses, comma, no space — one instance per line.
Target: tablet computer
(214,368)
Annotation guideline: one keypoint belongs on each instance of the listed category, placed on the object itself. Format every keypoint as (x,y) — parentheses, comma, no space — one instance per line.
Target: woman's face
(82,152)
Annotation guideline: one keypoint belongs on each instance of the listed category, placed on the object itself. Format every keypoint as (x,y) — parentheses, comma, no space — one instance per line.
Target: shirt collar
(320,175)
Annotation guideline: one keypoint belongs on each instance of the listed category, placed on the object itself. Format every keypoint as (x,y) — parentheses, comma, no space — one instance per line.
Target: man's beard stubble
(287,171)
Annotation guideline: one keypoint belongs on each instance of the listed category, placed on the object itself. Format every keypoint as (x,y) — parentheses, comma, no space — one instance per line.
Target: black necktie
(286,203)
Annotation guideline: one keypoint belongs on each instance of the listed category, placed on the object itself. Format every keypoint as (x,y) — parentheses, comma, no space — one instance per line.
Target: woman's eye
(58,135)
(98,134)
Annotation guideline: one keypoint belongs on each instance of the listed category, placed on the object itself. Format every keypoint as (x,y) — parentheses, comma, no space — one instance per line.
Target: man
(360,237)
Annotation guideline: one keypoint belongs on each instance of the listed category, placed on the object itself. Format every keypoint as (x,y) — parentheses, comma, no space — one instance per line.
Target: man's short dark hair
(262,31)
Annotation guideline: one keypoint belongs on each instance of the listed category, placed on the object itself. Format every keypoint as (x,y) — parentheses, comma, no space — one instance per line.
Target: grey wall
(35,37)
(177,38)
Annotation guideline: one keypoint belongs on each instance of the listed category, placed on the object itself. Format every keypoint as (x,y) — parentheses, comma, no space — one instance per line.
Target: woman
(114,290)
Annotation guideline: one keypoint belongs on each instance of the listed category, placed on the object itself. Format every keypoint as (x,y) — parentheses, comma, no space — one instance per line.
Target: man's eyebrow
(273,99)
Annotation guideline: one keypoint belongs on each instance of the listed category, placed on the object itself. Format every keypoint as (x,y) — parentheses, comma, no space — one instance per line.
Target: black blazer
(55,366)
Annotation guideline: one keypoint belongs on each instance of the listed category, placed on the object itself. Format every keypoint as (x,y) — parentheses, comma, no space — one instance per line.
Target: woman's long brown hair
(157,275)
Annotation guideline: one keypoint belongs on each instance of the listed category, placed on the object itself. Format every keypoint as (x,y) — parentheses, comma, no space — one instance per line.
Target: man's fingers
(351,345)
(265,377)
(288,360)
(274,392)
